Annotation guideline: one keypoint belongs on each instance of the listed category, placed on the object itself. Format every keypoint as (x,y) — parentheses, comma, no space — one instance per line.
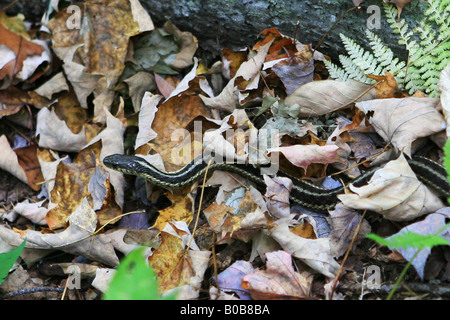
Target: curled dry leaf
(249,71)
(387,86)
(15,50)
(232,60)
(111,138)
(182,59)
(56,84)
(35,212)
(138,85)
(320,97)
(147,113)
(316,253)
(279,280)
(76,239)
(303,155)
(402,121)
(32,63)
(10,162)
(13,100)
(395,192)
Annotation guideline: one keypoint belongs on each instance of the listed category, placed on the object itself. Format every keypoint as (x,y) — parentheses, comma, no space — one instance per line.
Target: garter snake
(303,193)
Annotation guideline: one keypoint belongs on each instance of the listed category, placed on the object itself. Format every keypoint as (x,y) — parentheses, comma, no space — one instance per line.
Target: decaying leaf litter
(70,100)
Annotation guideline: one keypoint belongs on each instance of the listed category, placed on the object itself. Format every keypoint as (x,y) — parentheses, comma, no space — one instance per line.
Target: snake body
(303,193)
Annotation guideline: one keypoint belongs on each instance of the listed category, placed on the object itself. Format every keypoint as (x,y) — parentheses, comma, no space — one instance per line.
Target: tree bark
(237,23)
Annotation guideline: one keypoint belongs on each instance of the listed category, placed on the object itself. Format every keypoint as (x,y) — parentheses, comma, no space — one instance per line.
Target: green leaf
(7,260)
(134,280)
(409,239)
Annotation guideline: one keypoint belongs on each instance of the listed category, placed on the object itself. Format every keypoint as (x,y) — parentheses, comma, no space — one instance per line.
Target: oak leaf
(279,280)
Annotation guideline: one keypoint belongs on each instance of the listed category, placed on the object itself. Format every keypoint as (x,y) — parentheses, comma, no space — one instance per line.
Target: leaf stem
(400,278)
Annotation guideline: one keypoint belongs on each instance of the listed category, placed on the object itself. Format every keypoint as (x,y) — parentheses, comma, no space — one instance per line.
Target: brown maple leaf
(21,48)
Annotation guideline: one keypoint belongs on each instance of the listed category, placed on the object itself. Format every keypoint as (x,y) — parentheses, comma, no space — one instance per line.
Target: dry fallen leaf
(182,208)
(56,84)
(92,65)
(344,222)
(147,114)
(402,121)
(249,71)
(35,212)
(281,47)
(320,97)
(9,161)
(55,134)
(171,119)
(296,70)
(12,100)
(76,239)
(387,86)
(184,58)
(138,85)
(176,267)
(395,192)
(16,50)
(316,253)
(277,194)
(433,223)
(279,280)
(230,280)
(303,155)
(27,158)
(232,60)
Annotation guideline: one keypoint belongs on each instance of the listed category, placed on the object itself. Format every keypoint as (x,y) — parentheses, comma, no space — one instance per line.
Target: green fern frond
(335,71)
(384,54)
(429,51)
(353,70)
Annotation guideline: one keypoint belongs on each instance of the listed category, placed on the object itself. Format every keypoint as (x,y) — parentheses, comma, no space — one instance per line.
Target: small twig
(332,27)
(216,275)
(9,5)
(347,253)
(200,203)
(295,33)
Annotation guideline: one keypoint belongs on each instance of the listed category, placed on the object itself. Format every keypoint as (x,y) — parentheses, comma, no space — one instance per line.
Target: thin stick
(216,276)
(337,21)
(295,33)
(9,5)
(346,254)
(200,202)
